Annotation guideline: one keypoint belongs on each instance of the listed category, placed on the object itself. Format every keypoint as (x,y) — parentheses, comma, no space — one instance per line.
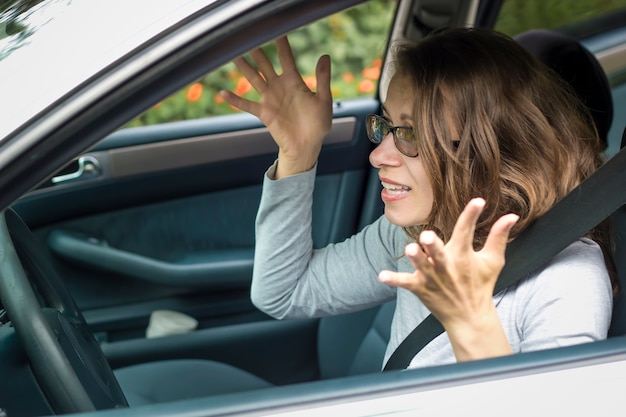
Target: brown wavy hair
(493,121)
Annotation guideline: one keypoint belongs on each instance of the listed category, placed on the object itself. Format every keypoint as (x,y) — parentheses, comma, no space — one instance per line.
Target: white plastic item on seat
(168,322)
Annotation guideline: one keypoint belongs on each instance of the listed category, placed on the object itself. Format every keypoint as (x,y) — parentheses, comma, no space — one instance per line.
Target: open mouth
(395,188)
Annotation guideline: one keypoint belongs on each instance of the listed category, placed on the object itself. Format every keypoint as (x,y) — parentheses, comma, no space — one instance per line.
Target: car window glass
(517,16)
(355,39)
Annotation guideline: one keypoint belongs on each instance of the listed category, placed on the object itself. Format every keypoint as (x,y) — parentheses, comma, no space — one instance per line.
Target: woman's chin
(402,220)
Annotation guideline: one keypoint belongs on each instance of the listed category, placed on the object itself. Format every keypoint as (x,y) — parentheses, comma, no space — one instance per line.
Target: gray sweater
(567,302)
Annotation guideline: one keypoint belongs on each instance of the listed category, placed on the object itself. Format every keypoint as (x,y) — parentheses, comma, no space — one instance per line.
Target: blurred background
(356,38)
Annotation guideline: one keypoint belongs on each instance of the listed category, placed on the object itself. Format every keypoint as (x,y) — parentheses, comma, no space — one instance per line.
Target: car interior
(144,230)
(364,335)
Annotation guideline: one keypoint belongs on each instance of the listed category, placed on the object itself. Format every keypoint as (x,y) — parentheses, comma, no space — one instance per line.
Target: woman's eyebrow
(403,116)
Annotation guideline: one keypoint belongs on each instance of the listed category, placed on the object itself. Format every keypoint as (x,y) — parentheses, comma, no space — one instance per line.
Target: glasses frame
(391,129)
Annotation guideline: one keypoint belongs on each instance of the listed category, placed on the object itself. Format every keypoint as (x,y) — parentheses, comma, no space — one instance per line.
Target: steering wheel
(66,359)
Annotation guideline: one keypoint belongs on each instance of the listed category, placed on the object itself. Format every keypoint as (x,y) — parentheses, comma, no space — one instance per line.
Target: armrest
(224,269)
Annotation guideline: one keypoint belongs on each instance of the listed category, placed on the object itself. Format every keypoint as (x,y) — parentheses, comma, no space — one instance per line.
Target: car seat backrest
(578,67)
(354,343)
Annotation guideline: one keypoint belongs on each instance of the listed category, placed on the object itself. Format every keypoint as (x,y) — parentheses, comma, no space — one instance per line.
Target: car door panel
(207,272)
(167,221)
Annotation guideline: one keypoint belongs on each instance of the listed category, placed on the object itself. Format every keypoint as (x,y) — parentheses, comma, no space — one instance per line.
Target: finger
(285,55)
(251,74)
(263,63)
(434,254)
(411,282)
(463,232)
(413,253)
(499,235)
(322,75)
(423,262)
(241,103)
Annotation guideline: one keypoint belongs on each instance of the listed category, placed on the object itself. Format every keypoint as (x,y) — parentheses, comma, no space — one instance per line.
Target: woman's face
(407,193)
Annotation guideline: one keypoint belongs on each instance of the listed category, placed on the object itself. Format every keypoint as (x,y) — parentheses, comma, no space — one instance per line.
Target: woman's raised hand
(456,282)
(298,119)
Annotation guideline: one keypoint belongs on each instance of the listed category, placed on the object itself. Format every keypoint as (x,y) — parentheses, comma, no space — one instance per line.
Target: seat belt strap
(592,201)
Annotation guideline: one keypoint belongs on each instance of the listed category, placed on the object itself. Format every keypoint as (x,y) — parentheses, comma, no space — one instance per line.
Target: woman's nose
(385,153)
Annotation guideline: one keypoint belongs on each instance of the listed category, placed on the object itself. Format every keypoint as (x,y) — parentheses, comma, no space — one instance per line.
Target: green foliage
(517,16)
(355,39)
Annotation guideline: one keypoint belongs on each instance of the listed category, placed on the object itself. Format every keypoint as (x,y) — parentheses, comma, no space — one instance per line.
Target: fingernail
(411,249)
(479,201)
(427,237)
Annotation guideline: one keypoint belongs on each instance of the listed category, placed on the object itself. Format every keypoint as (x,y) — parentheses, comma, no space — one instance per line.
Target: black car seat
(579,67)
(355,343)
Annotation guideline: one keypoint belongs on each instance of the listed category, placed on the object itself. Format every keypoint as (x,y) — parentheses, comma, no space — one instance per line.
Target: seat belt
(592,201)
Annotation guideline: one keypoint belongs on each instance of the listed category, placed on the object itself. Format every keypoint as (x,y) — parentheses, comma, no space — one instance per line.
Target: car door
(139,222)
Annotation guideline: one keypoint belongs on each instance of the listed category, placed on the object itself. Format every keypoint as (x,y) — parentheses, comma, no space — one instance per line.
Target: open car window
(356,40)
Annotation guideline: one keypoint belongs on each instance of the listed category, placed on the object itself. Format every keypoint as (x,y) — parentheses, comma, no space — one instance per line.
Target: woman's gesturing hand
(456,282)
(297,118)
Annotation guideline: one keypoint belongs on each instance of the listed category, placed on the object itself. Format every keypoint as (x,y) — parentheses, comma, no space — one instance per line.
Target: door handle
(88,167)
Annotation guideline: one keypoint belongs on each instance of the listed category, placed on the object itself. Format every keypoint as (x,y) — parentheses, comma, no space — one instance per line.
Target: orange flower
(218,99)
(377,63)
(194,93)
(310,82)
(371,73)
(243,87)
(366,86)
(348,77)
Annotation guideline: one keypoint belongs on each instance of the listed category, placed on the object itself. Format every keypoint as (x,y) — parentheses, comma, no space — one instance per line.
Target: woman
(468,113)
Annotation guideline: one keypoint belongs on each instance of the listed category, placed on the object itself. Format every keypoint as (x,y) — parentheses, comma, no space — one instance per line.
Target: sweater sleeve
(293,280)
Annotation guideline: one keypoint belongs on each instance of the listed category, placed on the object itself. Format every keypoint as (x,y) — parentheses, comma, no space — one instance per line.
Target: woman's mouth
(393,192)
(395,188)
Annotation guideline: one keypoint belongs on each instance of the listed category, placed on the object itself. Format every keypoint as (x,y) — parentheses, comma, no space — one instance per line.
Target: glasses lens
(406,141)
(377,128)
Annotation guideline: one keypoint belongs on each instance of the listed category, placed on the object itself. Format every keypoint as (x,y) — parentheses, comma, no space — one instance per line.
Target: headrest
(579,67)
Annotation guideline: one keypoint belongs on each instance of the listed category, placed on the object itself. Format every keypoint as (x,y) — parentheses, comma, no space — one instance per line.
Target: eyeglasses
(403,136)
